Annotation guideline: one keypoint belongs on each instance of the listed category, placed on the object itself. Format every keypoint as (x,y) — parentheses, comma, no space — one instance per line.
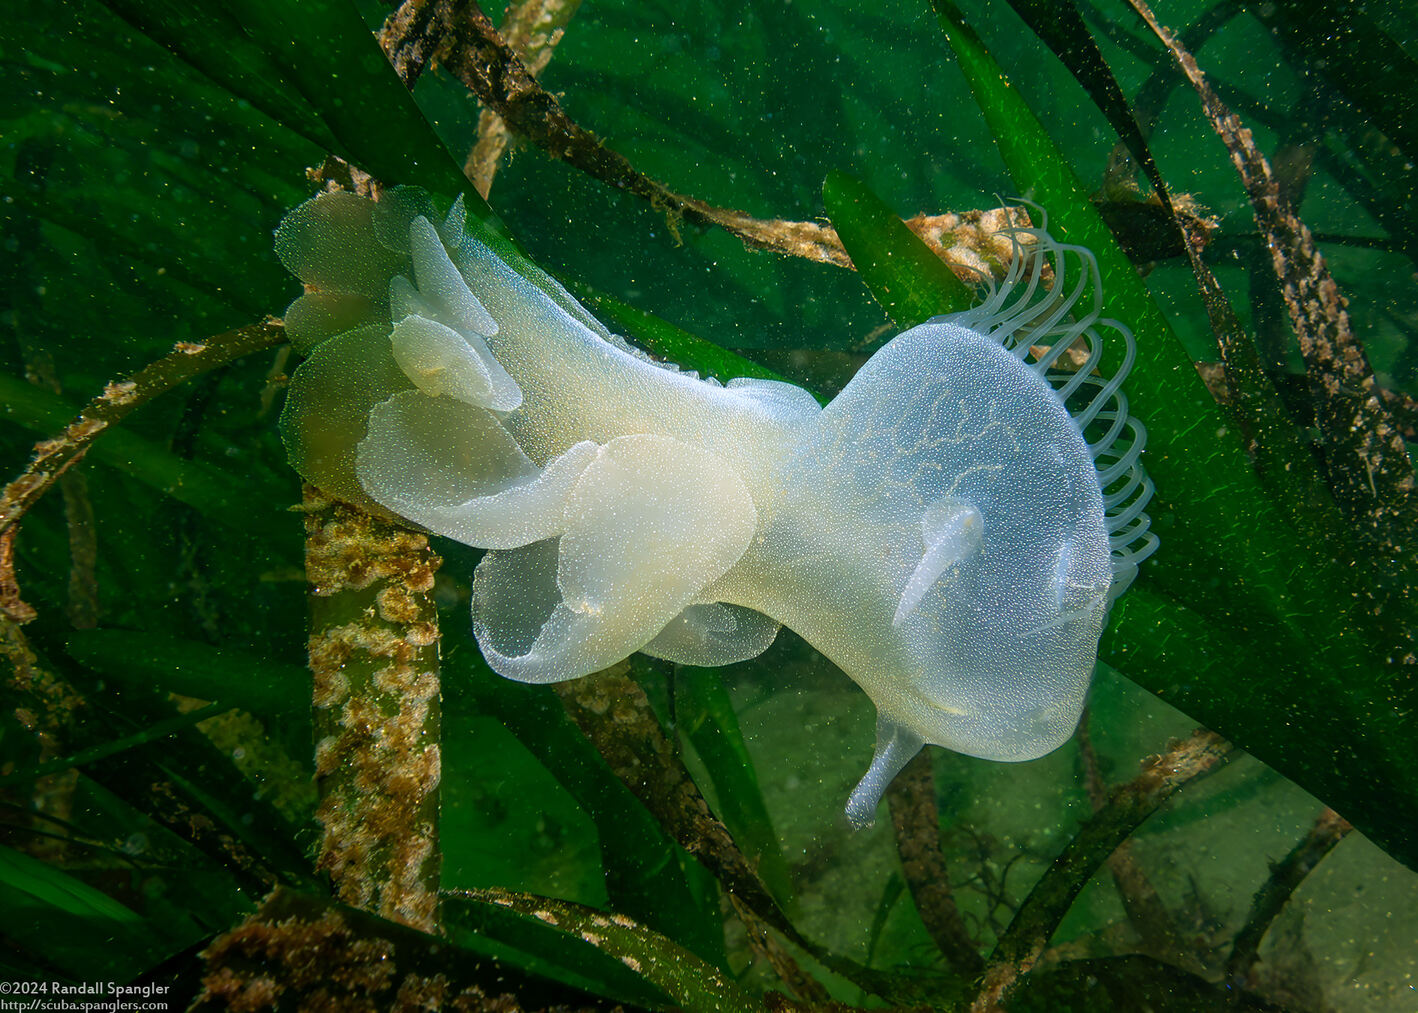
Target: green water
(151,147)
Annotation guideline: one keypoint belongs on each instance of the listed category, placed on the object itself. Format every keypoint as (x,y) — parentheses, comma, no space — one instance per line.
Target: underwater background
(701,175)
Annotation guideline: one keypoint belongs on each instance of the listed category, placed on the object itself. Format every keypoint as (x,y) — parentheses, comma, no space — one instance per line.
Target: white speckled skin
(938,531)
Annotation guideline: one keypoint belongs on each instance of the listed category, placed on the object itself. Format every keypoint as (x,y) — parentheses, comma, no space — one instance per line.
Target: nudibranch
(950,530)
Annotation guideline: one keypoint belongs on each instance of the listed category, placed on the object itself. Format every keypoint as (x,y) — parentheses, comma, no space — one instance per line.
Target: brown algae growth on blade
(950,530)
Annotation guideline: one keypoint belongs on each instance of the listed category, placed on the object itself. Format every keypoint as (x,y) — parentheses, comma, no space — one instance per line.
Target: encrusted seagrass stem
(374,656)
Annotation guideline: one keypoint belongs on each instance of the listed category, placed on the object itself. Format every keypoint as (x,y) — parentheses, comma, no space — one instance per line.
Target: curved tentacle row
(950,530)
(1040,326)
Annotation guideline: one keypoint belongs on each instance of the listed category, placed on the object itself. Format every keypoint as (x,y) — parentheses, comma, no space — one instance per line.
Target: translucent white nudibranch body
(950,530)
